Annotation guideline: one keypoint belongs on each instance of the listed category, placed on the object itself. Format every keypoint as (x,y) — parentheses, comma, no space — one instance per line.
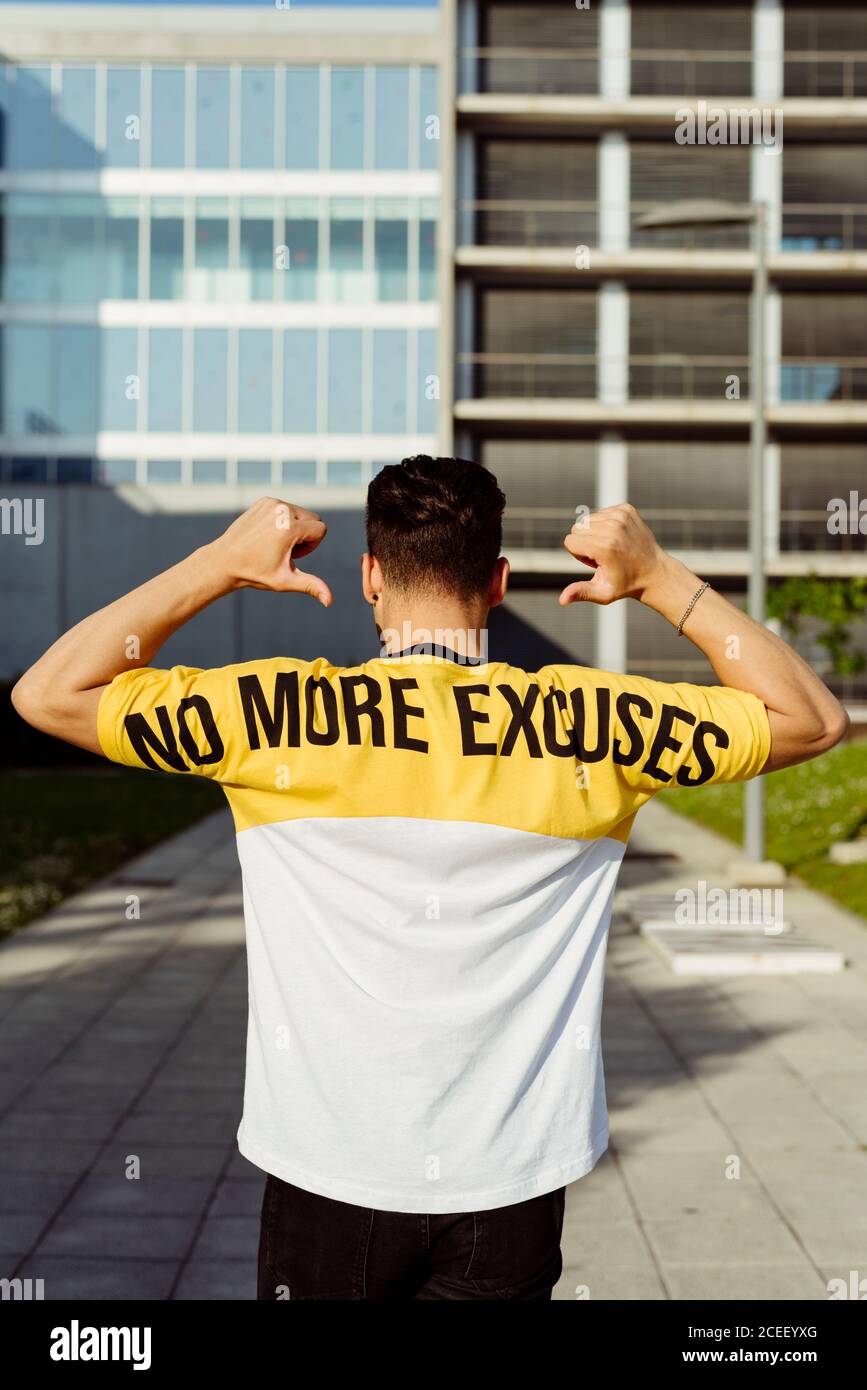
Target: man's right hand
(259,549)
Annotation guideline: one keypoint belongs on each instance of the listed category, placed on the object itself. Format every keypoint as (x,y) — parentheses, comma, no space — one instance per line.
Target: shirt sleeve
(180,720)
(690,735)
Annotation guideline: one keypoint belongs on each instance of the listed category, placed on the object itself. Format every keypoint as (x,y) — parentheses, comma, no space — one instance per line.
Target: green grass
(61,829)
(809,807)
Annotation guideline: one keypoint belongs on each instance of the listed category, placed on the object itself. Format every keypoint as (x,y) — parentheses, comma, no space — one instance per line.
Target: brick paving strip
(124,1038)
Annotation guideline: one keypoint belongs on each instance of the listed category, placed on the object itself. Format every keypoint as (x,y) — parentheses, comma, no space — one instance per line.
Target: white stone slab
(709,951)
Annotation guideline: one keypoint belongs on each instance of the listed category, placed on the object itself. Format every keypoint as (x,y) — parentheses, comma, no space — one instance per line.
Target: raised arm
(60,693)
(805,718)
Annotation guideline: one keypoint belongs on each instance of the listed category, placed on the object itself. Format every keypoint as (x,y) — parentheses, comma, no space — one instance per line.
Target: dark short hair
(436,524)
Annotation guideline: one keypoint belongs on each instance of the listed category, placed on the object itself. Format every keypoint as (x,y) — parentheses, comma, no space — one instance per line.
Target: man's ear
(499,582)
(371,577)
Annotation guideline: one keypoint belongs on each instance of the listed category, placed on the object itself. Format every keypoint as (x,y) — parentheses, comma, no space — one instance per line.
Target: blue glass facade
(71,118)
(199,251)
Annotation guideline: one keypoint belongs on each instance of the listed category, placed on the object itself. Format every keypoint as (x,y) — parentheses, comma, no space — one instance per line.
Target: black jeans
(313,1247)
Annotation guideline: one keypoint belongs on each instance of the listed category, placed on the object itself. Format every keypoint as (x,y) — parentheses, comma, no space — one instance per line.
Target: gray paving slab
(101,1279)
(227,1280)
(227,1237)
(128,1237)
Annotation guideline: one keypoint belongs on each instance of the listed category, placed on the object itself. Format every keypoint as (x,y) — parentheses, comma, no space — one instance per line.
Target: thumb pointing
(315,587)
(579,592)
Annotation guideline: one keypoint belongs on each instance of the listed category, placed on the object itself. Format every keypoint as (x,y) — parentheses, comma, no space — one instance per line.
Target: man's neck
(457,628)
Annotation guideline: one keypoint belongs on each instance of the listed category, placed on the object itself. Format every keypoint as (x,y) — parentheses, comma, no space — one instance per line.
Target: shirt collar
(434,649)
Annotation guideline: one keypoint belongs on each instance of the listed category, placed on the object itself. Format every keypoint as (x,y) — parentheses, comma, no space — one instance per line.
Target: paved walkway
(121,1044)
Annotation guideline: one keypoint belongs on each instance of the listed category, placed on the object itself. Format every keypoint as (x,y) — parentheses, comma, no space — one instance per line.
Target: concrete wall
(98,546)
(100,542)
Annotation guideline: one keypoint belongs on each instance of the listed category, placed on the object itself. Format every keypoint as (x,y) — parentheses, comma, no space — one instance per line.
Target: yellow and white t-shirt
(429,852)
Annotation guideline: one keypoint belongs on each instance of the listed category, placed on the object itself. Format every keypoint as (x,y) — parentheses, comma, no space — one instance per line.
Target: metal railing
(823,379)
(520,222)
(690,72)
(573,222)
(710,528)
(553,71)
(681,528)
(659,72)
(832,74)
(807,529)
(831,227)
(653,376)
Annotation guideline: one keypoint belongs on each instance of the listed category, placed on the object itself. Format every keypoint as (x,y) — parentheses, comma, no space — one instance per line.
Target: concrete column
(468,40)
(464,337)
(614,41)
(766,168)
(612,343)
(768,49)
(611,487)
(766,186)
(612,330)
(446,226)
(772,500)
(773,345)
(612,184)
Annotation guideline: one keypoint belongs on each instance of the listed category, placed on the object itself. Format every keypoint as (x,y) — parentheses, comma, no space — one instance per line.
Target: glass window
(302,118)
(256,471)
(31,140)
(300,378)
(210,280)
(299,471)
(30,249)
(428,381)
(212,118)
(75,470)
(167,249)
(254,380)
(343,472)
(298,260)
(427,250)
(168,108)
(391,129)
(79,231)
(209,471)
(77,119)
(390,248)
(111,471)
(257,118)
(77,366)
(347,279)
(347,118)
(164,470)
(28,407)
(165,374)
(257,277)
(429,121)
(210,362)
(344,381)
(389,380)
(121,386)
(29,469)
(120,248)
(123,118)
